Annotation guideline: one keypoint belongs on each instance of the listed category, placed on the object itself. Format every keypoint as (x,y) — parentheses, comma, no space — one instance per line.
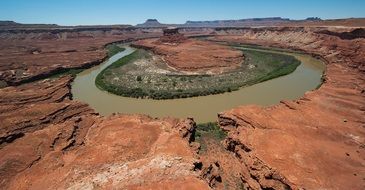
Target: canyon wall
(29,55)
(316,142)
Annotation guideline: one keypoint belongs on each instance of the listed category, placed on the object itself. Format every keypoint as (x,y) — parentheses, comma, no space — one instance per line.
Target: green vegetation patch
(103,84)
(139,75)
(210,131)
(114,49)
(276,65)
(72,72)
(276,49)
(3,84)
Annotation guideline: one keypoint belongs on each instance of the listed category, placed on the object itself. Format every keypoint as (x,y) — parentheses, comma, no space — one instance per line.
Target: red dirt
(195,55)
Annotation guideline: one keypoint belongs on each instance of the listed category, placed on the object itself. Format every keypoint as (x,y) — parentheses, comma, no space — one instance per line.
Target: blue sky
(87,12)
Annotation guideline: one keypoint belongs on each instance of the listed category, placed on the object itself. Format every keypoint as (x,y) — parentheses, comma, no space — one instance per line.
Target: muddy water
(203,109)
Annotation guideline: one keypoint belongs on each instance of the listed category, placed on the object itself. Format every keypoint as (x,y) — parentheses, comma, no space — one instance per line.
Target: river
(306,77)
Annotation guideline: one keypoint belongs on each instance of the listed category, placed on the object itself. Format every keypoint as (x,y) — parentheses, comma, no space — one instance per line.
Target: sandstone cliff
(314,142)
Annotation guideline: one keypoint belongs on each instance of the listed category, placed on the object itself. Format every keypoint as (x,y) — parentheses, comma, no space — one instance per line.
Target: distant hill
(15,25)
(8,23)
(261,22)
(154,23)
(150,23)
(11,25)
(313,19)
(238,23)
(219,23)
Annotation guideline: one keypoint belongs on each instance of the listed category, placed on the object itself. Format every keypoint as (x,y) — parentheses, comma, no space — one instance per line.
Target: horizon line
(247,18)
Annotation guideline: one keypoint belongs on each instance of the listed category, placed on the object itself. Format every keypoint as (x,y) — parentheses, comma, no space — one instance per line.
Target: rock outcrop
(311,143)
(151,23)
(117,152)
(34,106)
(356,33)
(171,36)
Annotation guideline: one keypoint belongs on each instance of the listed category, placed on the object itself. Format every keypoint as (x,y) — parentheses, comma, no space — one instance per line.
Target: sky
(103,12)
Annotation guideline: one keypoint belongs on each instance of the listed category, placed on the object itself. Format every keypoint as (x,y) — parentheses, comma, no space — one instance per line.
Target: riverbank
(144,75)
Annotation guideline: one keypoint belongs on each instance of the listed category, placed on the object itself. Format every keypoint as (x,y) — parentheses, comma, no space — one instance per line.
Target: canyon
(48,140)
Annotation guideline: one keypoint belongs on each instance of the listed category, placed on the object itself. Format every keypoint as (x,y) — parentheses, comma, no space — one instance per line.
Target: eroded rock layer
(31,54)
(316,142)
(30,107)
(117,152)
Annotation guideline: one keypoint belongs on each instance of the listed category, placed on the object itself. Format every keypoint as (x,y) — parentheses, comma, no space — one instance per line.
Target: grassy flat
(143,75)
